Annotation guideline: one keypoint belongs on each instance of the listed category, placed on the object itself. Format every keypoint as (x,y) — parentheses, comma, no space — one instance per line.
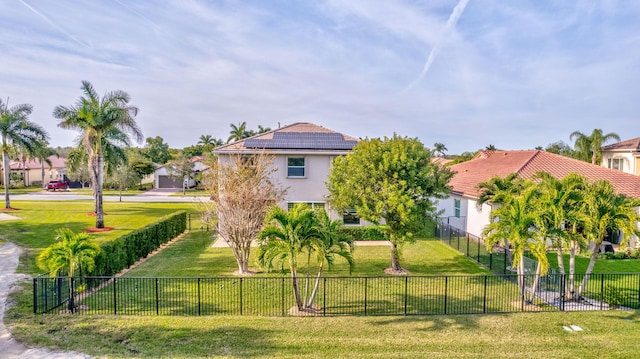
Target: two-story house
(303,153)
(623,156)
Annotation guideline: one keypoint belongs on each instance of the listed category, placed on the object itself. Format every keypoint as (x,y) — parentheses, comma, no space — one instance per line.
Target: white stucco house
(460,210)
(303,153)
(623,156)
(34,171)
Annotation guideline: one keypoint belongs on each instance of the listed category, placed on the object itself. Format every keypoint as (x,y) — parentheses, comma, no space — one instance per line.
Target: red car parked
(61,185)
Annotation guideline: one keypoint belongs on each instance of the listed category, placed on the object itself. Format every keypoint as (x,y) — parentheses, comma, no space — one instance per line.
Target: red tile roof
(300,127)
(487,164)
(56,162)
(632,144)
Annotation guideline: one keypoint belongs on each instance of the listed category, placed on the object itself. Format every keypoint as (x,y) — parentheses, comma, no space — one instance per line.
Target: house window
(350,217)
(616,163)
(295,167)
(313,205)
(456,208)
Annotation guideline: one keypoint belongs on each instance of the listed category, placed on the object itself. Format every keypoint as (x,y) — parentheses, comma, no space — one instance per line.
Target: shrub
(370,233)
(612,296)
(126,250)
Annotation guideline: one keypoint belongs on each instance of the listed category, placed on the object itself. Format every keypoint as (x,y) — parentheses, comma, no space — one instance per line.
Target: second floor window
(295,167)
(456,207)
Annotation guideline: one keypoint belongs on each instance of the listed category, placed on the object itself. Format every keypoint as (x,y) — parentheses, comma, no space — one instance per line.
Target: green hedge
(126,250)
(369,233)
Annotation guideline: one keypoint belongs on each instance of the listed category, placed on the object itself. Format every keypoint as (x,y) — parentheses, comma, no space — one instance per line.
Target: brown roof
(487,164)
(56,162)
(440,161)
(632,144)
(299,127)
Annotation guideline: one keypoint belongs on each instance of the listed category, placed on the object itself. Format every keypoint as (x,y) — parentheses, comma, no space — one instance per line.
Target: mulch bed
(9,209)
(96,230)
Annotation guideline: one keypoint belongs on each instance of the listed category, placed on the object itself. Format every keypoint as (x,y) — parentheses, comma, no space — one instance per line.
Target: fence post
(365,296)
(478,242)
(115,297)
(72,290)
(199,306)
(406,287)
(601,291)
(157,299)
(484,296)
(468,255)
(504,267)
(522,294)
(491,260)
(282,287)
(446,288)
(562,291)
(240,296)
(35,296)
(324,297)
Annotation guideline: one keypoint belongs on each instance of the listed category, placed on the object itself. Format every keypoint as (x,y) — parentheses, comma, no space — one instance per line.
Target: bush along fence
(363,296)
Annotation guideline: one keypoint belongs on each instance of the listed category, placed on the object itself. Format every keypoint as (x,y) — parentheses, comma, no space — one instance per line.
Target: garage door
(167,182)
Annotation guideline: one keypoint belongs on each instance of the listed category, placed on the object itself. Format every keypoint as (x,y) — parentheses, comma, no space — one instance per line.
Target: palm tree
(263,129)
(238,132)
(209,142)
(515,220)
(560,214)
(105,125)
(607,212)
(590,146)
(491,147)
(283,237)
(439,149)
(18,133)
(329,243)
(496,191)
(70,252)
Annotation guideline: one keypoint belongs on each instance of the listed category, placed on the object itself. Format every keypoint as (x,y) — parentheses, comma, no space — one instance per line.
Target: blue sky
(467,73)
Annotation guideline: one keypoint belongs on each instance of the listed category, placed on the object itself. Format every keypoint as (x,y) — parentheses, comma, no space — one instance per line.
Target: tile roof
(56,162)
(632,144)
(487,164)
(300,135)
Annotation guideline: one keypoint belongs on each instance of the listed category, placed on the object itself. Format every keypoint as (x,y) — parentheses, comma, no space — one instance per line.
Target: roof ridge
(536,154)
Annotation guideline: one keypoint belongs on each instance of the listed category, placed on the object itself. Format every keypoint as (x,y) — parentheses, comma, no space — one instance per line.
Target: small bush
(612,296)
(370,233)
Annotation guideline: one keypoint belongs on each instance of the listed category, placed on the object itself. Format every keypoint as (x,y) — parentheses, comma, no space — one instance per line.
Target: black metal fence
(269,296)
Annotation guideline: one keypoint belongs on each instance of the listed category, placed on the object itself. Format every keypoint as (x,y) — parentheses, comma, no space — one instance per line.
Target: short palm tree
(104,123)
(329,243)
(70,252)
(18,133)
(439,149)
(283,237)
(590,146)
(607,212)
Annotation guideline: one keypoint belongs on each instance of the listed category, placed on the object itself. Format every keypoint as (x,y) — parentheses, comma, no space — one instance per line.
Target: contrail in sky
(451,23)
(55,25)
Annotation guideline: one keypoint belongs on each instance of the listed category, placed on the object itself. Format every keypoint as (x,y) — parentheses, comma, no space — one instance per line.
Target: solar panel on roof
(302,140)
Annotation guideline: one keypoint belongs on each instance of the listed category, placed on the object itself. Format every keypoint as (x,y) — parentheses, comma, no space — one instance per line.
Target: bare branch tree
(242,190)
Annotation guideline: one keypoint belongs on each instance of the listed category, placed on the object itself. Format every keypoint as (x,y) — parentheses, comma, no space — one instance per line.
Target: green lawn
(601,266)
(40,219)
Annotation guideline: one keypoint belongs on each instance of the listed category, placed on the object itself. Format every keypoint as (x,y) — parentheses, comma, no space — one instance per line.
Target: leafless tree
(242,191)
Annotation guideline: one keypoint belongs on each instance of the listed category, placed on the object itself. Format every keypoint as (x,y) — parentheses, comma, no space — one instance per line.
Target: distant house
(623,156)
(303,153)
(460,210)
(162,179)
(34,171)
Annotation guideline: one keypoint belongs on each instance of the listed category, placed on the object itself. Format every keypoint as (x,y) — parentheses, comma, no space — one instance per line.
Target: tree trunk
(395,262)
(98,190)
(42,173)
(536,280)
(315,289)
(572,271)
(592,263)
(296,290)
(507,251)
(7,170)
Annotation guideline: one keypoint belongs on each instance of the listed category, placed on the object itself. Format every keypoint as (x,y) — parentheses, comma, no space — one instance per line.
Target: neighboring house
(460,210)
(303,153)
(162,179)
(32,170)
(623,156)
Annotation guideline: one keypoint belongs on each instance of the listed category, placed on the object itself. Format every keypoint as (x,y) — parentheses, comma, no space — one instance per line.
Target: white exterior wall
(628,158)
(472,219)
(311,187)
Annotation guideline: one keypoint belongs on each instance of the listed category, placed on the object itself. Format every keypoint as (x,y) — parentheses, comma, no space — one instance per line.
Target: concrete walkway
(9,347)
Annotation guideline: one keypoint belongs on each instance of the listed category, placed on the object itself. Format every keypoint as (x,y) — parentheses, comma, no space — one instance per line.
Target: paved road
(9,347)
(161,195)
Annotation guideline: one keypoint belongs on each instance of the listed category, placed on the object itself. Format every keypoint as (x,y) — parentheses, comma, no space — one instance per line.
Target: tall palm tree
(238,132)
(328,244)
(105,124)
(590,146)
(283,237)
(19,133)
(70,252)
(439,148)
(607,212)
